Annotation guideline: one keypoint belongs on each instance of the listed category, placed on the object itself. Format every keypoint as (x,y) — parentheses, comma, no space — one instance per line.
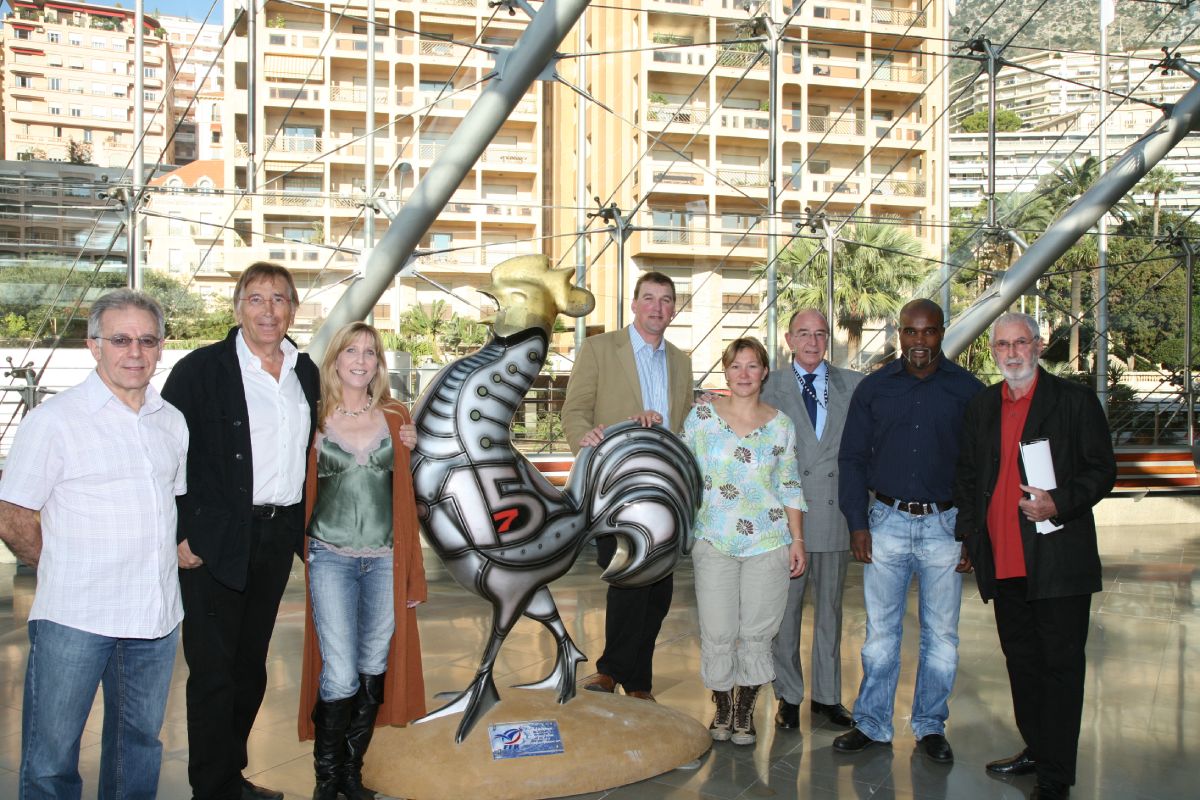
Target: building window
(149,97)
(100,112)
(76,111)
(99,66)
(54,84)
(24,81)
(21,33)
(54,37)
(75,40)
(99,42)
(54,110)
(24,106)
(75,63)
(87,135)
(735,303)
(150,72)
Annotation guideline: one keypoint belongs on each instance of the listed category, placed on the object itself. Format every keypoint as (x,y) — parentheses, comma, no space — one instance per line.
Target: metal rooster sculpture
(503,530)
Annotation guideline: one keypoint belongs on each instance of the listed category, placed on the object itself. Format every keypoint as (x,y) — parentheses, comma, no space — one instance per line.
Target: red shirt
(1003,517)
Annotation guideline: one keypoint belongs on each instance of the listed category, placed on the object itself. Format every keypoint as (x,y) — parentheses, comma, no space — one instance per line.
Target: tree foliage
(1006,120)
(876,266)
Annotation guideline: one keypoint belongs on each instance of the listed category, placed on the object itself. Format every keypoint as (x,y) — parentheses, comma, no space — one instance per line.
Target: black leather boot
(329,745)
(358,736)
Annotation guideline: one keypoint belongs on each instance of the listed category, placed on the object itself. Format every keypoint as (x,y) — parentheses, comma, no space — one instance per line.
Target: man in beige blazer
(632,373)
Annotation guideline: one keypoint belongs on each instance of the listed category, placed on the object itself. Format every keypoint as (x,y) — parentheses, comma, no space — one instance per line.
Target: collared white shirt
(652,374)
(104,478)
(279,426)
(820,386)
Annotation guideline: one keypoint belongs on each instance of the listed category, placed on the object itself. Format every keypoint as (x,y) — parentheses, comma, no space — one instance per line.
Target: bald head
(926,307)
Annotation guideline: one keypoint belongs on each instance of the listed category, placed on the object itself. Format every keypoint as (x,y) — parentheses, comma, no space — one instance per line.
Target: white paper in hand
(1039,473)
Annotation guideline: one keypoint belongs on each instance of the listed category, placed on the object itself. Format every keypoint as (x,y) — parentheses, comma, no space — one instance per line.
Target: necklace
(358,413)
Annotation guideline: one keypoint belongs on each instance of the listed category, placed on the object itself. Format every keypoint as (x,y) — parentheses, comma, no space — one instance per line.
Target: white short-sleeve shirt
(104,478)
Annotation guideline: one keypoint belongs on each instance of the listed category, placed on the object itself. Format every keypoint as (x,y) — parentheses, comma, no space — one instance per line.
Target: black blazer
(1057,564)
(214,515)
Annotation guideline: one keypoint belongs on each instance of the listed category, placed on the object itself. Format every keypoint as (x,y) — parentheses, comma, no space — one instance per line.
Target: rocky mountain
(1074,25)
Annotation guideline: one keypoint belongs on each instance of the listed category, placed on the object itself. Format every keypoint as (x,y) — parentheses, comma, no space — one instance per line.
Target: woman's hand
(798,558)
(412,603)
(408,435)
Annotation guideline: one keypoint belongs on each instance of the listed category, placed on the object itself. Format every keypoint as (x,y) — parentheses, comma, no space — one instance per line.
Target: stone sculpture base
(608,740)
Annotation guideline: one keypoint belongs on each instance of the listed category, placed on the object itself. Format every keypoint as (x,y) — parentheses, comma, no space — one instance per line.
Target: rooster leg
(562,676)
(478,698)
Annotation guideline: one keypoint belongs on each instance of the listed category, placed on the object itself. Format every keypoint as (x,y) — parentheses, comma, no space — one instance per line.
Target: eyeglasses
(820,336)
(258,301)
(1018,344)
(121,341)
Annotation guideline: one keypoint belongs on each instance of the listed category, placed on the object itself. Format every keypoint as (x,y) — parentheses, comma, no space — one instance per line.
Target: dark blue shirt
(901,437)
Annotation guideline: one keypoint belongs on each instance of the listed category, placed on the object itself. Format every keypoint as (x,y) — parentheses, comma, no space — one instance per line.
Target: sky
(194,9)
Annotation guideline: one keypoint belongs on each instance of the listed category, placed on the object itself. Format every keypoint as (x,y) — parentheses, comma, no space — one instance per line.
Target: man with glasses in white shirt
(88,497)
(250,403)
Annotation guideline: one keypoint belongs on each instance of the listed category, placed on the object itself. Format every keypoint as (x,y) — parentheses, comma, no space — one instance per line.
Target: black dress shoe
(835,713)
(1020,764)
(1050,790)
(788,715)
(252,792)
(853,742)
(936,748)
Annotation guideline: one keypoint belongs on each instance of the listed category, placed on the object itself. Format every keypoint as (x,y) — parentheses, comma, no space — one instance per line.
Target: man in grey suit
(815,395)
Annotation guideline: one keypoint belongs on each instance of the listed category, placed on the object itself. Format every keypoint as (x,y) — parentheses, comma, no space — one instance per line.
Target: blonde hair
(331,384)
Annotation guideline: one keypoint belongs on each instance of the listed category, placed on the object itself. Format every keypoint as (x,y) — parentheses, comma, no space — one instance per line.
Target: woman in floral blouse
(749,536)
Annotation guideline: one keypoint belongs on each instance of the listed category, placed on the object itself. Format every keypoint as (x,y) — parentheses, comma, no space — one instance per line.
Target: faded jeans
(904,545)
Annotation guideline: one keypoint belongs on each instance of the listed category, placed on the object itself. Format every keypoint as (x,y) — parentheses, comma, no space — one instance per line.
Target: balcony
(508,156)
(838,126)
(743,178)
(892,187)
(898,74)
(355,94)
(689,236)
(733,119)
(741,57)
(903,17)
(292,200)
(676,174)
(667,113)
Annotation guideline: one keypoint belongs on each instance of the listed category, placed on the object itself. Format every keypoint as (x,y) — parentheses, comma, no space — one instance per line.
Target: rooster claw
(474,702)
(562,676)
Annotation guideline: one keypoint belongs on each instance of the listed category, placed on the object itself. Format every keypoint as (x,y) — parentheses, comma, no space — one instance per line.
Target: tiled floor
(1141,726)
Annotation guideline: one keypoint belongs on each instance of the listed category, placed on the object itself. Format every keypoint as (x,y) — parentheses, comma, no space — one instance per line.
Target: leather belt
(915,507)
(268,511)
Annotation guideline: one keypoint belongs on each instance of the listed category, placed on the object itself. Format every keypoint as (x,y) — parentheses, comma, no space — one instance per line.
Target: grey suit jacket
(825,528)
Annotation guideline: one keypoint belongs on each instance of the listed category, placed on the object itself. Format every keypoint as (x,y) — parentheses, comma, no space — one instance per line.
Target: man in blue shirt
(901,442)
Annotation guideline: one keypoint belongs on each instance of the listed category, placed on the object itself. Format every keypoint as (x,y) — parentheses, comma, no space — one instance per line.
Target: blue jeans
(353,615)
(903,545)
(65,668)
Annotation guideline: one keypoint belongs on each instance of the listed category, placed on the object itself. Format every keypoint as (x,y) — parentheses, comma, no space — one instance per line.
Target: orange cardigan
(404,690)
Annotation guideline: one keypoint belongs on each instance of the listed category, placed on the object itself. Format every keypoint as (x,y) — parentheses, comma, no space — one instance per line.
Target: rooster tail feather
(641,485)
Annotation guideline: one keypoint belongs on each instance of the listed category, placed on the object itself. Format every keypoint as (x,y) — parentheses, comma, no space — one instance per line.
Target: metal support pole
(369,164)
(581,162)
(1177,121)
(830,306)
(771,46)
(515,72)
(133,233)
(251,100)
(1102,235)
(1189,390)
(993,68)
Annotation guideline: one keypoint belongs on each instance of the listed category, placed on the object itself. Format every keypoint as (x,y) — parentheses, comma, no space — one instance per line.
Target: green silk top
(354,496)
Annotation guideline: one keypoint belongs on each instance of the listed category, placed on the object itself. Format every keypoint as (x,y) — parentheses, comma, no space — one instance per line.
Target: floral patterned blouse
(747,482)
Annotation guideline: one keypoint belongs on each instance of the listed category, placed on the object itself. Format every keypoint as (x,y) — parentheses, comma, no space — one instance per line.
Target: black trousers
(226,634)
(632,620)
(1043,643)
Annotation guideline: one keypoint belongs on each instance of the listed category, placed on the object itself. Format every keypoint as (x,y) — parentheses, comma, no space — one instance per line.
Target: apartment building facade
(310,139)
(198,84)
(1062,123)
(68,85)
(857,106)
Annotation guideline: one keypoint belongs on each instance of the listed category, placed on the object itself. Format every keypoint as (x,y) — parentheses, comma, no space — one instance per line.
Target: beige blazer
(604,388)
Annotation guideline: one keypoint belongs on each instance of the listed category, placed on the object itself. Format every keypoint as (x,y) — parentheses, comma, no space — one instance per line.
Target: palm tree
(876,267)
(431,326)
(1157,182)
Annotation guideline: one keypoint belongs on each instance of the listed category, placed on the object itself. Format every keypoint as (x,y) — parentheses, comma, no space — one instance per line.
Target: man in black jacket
(250,405)
(1042,583)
